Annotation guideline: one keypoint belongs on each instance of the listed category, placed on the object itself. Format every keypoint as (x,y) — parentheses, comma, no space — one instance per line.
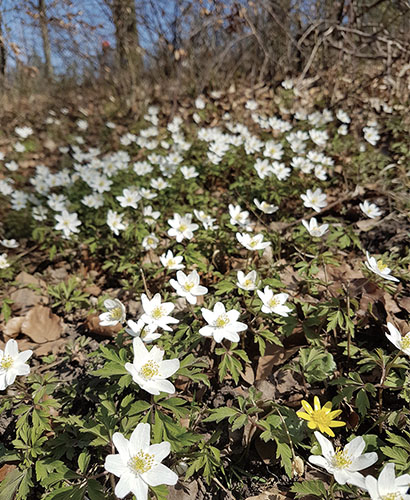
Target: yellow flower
(321,418)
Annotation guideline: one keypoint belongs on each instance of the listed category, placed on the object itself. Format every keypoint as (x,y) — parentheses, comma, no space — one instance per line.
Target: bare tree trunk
(46,40)
(3,53)
(127,39)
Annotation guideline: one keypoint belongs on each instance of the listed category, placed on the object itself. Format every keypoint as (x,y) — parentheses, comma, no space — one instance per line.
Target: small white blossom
(138,464)
(345,463)
(188,286)
(254,242)
(170,262)
(115,222)
(314,199)
(9,243)
(12,364)
(3,261)
(114,315)
(379,267)
(182,227)
(149,370)
(388,486)
(247,282)
(222,324)
(401,342)
(265,207)
(150,242)
(314,229)
(370,209)
(140,329)
(157,313)
(67,222)
(273,303)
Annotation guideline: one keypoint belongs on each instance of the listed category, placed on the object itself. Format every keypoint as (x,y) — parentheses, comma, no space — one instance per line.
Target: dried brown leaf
(41,325)
(13,327)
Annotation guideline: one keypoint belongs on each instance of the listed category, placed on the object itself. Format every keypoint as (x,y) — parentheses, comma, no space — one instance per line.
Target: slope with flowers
(211,303)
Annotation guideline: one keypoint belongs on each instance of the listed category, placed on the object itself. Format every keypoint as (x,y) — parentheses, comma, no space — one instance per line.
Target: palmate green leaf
(362,402)
(220,414)
(95,491)
(224,286)
(109,369)
(160,492)
(10,484)
(399,456)
(399,440)
(284,453)
(67,493)
(313,487)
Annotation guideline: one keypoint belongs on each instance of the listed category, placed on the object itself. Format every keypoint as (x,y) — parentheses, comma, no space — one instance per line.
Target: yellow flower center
(6,362)
(171,262)
(248,282)
(405,342)
(274,302)
(116,313)
(141,462)
(381,266)
(253,243)
(189,285)
(222,321)
(392,496)
(158,312)
(183,227)
(321,418)
(149,370)
(341,459)
(150,241)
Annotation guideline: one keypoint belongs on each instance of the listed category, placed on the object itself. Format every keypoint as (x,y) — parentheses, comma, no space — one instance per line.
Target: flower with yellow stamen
(320,417)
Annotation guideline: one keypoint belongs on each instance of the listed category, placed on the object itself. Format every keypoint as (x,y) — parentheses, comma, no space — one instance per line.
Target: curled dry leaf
(13,327)
(41,325)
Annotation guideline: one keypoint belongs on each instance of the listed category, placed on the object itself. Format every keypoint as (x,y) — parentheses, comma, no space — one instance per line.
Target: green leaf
(362,402)
(313,487)
(83,461)
(10,484)
(96,491)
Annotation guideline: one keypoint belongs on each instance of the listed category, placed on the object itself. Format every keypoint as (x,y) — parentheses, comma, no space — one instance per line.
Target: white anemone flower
(182,227)
(157,313)
(265,207)
(4,264)
(115,222)
(170,262)
(379,267)
(12,364)
(188,286)
(247,282)
(388,486)
(273,303)
(140,329)
(149,370)
(370,209)
(238,216)
(150,242)
(222,324)
(345,463)
(138,464)
(314,199)
(67,222)
(115,314)
(401,342)
(9,243)
(252,242)
(314,229)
